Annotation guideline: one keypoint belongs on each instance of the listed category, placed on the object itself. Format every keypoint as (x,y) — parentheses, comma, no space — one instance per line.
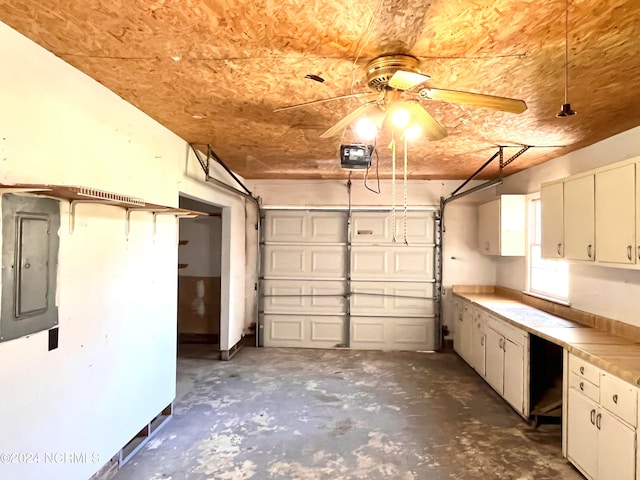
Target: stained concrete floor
(340,414)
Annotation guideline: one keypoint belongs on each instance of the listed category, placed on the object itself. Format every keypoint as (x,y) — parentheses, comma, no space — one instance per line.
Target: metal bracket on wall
(72,211)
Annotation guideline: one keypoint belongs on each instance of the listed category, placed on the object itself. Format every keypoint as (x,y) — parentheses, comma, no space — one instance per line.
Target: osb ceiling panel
(212,71)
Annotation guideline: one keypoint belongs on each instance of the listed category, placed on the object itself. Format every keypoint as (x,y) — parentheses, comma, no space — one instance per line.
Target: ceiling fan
(398,85)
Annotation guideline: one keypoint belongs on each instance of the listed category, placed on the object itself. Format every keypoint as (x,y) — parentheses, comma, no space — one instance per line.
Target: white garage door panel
(306,331)
(392,263)
(387,298)
(392,333)
(388,289)
(303,297)
(376,227)
(305,227)
(317,261)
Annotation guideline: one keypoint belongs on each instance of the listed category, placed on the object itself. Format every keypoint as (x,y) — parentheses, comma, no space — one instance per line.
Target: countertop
(612,353)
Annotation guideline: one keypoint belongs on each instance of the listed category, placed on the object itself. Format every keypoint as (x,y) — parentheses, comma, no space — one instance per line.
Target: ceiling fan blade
(403,80)
(349,119)
(505,104)
(324,100)
(433,130)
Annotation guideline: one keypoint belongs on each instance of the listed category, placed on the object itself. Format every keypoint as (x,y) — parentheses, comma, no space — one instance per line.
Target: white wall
(610,292)
(115,366)
(461,261)
(203,251)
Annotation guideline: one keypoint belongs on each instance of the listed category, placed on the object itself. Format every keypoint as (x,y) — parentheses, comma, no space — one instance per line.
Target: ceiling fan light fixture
(365,129)
(566,111)
(400,117)
(413,132)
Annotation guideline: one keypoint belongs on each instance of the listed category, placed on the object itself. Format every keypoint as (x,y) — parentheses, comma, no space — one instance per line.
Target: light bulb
(413,132)
(400,118)
(365,129)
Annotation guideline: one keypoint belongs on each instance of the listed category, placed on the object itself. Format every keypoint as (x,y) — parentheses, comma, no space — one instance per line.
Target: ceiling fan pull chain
(405,190)
(393,187)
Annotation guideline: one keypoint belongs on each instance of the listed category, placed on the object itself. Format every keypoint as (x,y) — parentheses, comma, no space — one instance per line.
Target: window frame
(561,267)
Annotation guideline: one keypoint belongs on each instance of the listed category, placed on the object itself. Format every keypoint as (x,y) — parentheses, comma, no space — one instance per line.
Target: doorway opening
(199,278)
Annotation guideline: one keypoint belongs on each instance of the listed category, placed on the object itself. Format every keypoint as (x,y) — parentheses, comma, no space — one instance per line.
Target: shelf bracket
(72,210)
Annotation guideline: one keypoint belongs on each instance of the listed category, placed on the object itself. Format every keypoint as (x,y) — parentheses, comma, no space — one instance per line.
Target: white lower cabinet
(478,341)
(600,443)
(507,366)
(463,329)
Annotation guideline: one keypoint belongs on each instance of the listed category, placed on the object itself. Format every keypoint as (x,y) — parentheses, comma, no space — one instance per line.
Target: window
(547,278)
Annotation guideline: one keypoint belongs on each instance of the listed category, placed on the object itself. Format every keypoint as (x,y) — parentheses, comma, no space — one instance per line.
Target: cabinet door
(582,434)
(467,328)
(514,374)
(478,342)
(457,326)
(615,215)
(579,226)
(552,207)
(616,448)
(494,359)
(489,228)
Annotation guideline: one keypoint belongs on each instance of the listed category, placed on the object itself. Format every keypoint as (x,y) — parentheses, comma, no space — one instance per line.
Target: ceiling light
(197,117)
(413,132)
(566,110)
(176,58)
(365,129)
(400,118)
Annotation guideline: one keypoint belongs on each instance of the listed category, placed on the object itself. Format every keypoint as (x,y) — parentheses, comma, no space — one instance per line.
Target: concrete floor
(340,414)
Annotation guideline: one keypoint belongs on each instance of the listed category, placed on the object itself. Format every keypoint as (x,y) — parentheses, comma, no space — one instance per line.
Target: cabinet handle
(559,249)
(615,399)
(639,253)
(581,370)
(593,417)
(482,340)
(599,421)
(582,386)
(486,247)
(589,247)
(629,255)
(460,317)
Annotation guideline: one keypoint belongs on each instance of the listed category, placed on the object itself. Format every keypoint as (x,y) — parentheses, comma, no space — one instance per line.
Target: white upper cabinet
(615,214)
(579,221)
(501,226)
(552,205)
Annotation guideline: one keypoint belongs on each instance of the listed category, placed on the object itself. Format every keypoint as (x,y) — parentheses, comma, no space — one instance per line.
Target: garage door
(322,289)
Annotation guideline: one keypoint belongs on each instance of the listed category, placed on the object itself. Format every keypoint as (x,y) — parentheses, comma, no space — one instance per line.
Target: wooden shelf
(87,194)
(76,195)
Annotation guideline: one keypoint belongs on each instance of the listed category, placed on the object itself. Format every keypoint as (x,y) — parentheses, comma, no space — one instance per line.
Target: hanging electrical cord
(393,186)
(366,173)
(405,187)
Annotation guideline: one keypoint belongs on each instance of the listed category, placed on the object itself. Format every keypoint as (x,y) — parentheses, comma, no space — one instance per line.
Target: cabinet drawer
(584,386)
(619,398)
(584,369)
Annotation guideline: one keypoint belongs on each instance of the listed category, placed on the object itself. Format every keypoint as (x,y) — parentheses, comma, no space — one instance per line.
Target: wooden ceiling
(212,71)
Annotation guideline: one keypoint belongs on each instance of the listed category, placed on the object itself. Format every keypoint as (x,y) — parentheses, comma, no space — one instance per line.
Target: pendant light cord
(393,186)
(566,51)
(406,162)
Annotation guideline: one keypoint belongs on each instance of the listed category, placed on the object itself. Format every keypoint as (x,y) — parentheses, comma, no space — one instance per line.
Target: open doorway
(199,278)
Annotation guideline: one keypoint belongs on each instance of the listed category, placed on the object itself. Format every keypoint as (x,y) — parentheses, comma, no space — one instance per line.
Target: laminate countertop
(612,353)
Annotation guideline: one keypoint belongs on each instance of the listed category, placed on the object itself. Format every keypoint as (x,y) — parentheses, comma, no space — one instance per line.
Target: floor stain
(292,414)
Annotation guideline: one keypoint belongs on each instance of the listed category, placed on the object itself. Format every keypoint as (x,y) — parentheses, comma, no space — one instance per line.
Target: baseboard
(227,355)
(133,446)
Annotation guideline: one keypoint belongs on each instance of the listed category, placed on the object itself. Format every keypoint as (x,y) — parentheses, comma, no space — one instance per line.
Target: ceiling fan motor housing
(381,69)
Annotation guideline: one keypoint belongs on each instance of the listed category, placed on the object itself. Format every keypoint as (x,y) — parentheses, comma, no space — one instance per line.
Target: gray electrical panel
(29,265)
